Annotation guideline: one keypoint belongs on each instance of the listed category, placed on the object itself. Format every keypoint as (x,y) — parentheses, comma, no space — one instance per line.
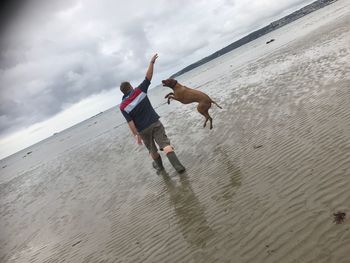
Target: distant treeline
(258,33)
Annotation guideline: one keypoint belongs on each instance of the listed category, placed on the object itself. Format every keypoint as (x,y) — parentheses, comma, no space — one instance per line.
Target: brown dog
(186,95)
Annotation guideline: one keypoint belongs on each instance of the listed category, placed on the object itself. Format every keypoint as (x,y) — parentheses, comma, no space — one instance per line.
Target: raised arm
(149,72)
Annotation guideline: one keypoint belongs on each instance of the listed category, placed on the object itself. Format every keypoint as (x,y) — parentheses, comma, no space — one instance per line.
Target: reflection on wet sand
(230,170)
(191,214)
(189,211)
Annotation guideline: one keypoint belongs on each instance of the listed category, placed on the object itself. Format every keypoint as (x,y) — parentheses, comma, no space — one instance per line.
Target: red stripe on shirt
(129,99)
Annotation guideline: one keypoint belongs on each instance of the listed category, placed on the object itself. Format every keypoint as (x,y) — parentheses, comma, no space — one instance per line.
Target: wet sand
(262,186)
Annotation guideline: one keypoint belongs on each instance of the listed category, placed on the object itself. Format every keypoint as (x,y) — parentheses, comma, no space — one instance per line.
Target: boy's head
(125,87)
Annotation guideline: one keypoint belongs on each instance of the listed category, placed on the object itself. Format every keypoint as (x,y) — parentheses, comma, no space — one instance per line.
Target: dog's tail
(215,103)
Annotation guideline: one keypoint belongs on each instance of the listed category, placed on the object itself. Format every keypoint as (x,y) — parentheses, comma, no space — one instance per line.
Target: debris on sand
(76,243)
(339,217)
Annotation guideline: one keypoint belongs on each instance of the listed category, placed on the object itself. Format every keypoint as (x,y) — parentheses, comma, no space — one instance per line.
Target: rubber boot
(158,164)
(175,162)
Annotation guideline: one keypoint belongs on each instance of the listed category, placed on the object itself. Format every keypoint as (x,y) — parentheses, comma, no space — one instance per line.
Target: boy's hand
(153,60)
(138,139)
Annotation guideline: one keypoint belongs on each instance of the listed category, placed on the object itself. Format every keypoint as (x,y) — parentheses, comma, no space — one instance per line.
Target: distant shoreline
(259,33)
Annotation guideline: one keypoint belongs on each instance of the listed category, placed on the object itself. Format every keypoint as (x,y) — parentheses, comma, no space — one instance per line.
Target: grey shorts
(153,134)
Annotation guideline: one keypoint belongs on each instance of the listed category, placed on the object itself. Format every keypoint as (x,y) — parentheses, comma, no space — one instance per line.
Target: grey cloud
(66,79)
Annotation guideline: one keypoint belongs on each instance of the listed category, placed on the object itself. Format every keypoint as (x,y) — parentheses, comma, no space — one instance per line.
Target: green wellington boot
(158,164)
(175,162)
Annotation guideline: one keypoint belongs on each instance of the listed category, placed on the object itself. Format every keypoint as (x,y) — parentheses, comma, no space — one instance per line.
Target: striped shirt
(136,107)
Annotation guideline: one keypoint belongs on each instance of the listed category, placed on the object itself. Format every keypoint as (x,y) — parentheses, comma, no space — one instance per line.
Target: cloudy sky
(61,61)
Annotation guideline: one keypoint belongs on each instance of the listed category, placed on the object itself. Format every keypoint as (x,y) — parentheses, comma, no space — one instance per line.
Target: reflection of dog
(186,95)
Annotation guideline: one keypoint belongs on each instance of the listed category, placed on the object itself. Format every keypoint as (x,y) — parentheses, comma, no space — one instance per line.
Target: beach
(261,186)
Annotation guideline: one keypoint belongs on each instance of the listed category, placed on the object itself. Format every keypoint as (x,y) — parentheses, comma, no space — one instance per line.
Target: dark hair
(125,87)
